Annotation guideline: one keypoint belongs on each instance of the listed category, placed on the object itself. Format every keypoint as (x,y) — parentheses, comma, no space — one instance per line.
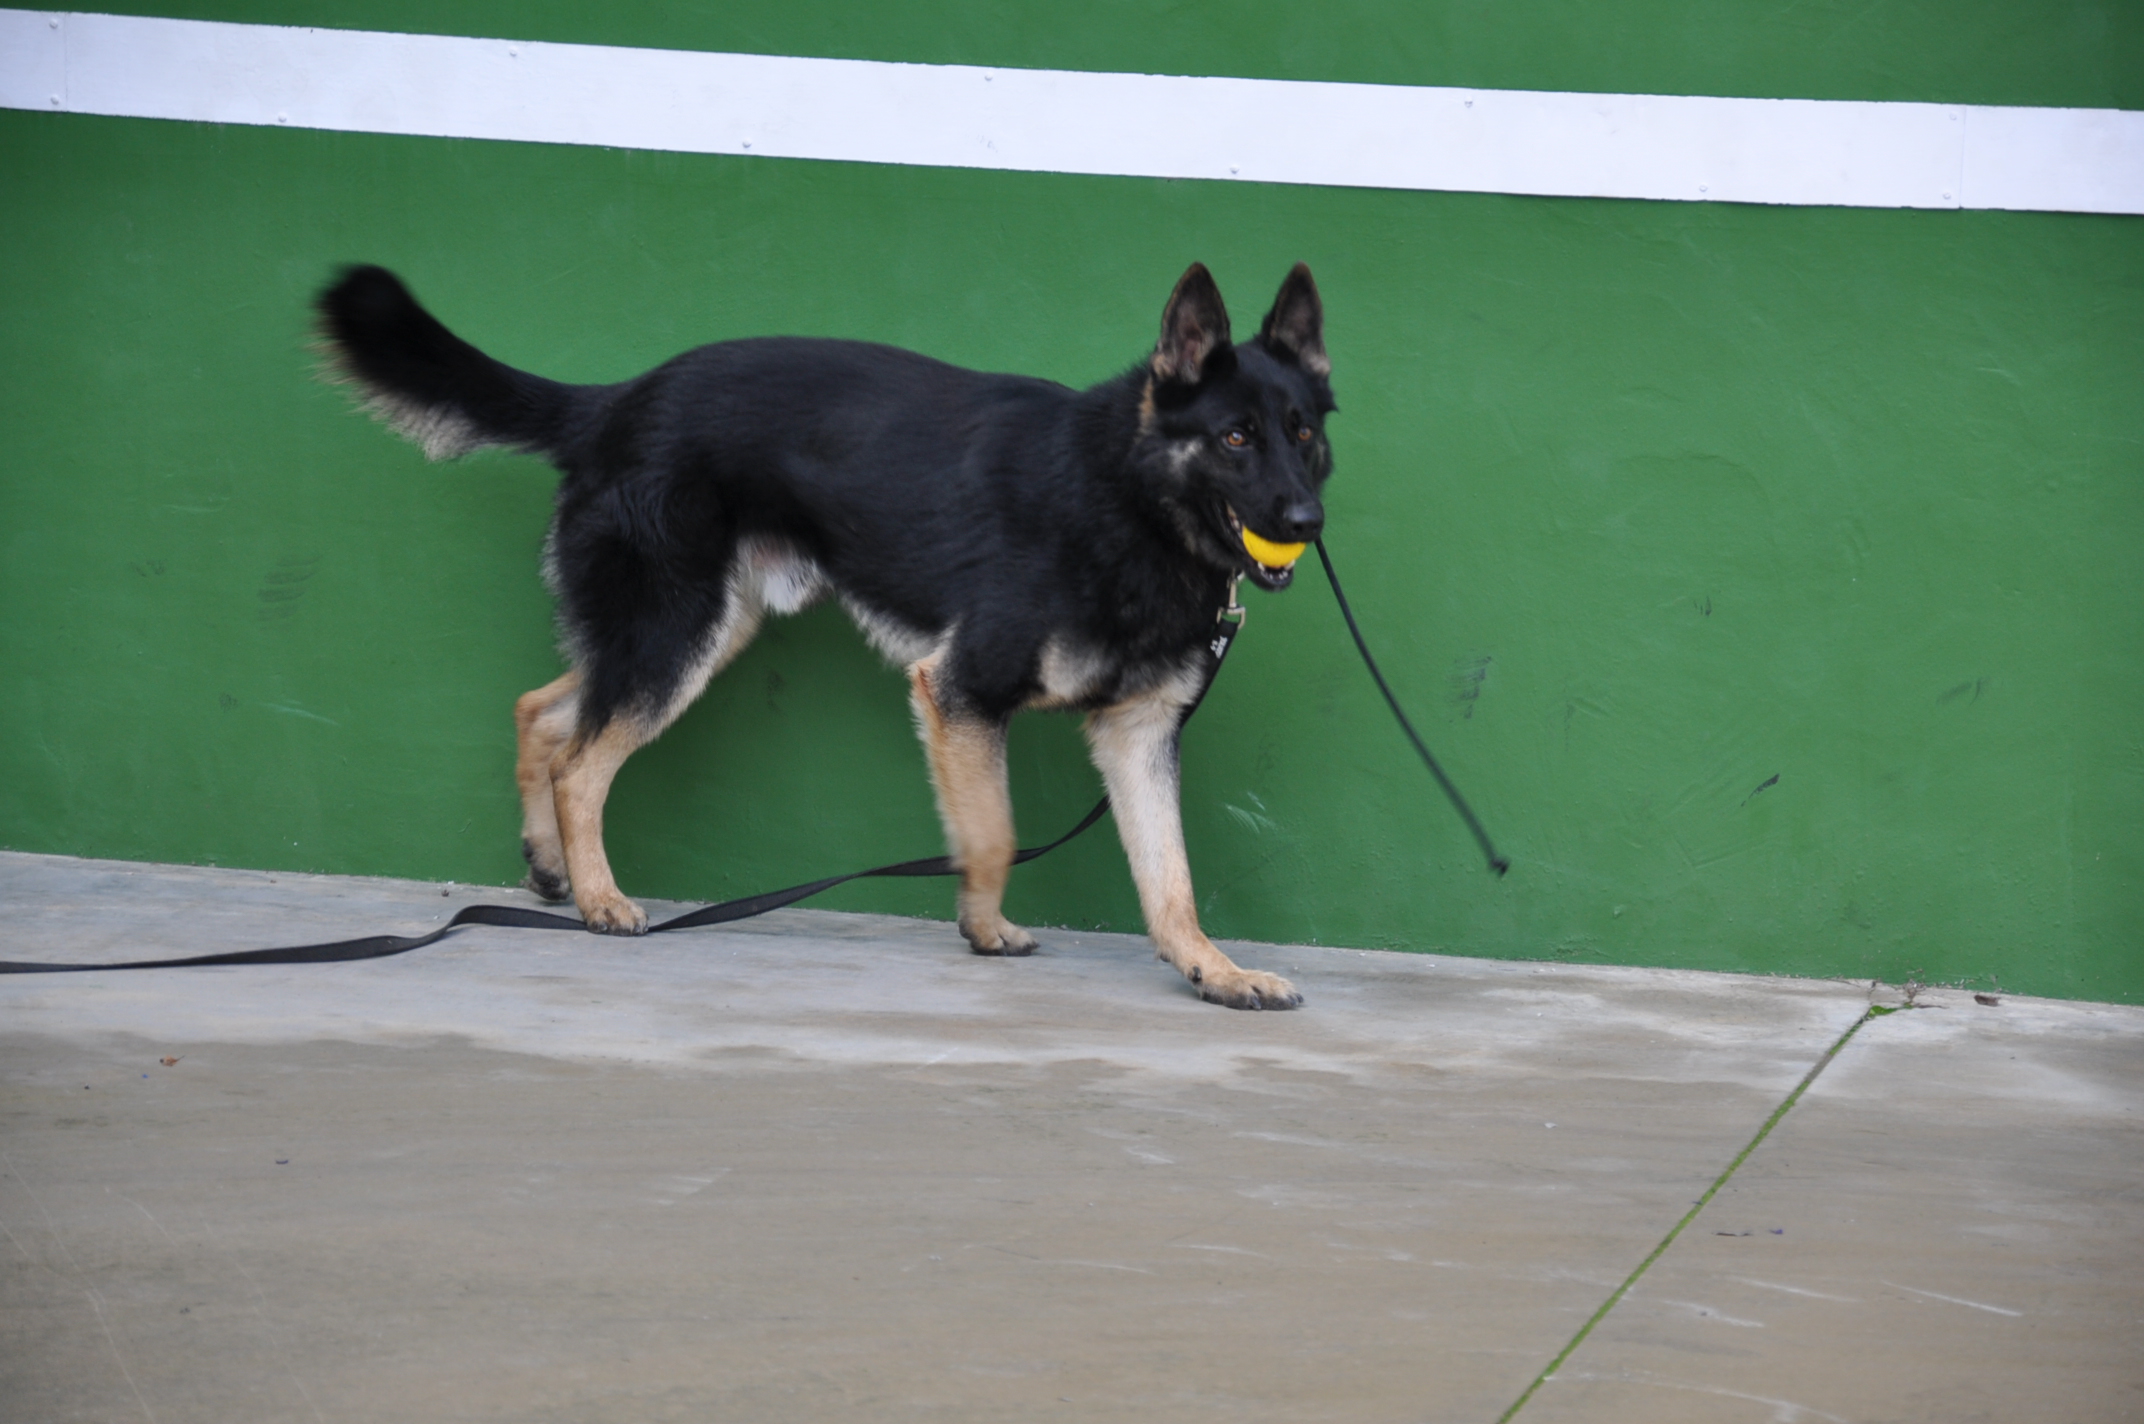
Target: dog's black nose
(1299,522)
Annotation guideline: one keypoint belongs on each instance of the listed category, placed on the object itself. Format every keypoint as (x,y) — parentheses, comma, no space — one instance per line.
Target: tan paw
(547,872)
(1003,938)
(1245,989)
(613,914)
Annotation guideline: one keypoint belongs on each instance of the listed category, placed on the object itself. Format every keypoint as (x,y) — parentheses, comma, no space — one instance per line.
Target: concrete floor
(831,1165)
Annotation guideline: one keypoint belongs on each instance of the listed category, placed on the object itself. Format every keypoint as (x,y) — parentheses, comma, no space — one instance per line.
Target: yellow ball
(1272,555)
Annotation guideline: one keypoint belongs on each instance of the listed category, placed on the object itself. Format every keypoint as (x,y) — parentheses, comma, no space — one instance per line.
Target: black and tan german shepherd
(1011,542)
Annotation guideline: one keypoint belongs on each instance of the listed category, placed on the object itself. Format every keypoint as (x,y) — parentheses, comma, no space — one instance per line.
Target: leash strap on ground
(1228,623)
(1459,803)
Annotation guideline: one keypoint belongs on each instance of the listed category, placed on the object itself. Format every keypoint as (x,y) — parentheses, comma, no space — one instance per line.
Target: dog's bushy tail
(429,384)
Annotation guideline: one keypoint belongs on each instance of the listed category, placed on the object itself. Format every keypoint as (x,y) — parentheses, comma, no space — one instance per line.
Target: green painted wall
(1643,505)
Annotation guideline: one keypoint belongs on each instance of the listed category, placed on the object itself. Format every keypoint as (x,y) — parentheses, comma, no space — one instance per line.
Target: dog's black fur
(1018,543)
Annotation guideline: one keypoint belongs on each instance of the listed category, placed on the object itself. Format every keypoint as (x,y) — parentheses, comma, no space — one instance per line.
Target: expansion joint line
(1874,1011)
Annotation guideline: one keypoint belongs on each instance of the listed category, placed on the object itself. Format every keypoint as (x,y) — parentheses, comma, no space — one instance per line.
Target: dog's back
(899,476)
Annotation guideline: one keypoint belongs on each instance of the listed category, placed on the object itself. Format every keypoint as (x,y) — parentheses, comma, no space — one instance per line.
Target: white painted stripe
(1957,1300)
(1794,151)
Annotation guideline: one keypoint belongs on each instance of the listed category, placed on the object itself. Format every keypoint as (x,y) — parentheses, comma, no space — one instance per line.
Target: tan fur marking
(566,779)
(443,434)
(783,580)
(1066,675)
(967,759)
(1133,744)
(580,780)
(739,625)
(897,643)
(543,723)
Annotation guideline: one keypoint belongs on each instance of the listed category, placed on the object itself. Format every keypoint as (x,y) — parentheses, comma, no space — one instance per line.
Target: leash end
(1499,865)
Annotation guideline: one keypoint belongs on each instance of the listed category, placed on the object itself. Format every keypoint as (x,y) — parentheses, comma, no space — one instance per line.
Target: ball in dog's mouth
(1275,559)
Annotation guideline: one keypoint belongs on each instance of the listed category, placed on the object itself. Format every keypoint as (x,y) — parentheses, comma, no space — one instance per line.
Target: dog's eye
(1235,440)
(1303,435)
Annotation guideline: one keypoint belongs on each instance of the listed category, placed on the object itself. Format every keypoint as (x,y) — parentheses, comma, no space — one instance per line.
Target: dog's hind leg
(580,782)
(543,724)
(1134,745)
(583,769)
(967,757)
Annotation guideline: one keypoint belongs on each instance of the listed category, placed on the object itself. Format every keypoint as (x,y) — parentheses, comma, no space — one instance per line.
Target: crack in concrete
(1874,1011)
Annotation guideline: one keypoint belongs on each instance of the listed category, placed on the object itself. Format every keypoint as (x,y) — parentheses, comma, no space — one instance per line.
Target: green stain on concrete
(1767,577)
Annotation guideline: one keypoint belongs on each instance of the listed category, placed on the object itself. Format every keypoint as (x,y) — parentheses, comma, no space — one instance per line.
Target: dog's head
(1234,436)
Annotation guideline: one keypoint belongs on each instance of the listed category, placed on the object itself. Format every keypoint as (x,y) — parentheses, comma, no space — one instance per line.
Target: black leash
(515,917)
(1228,625)
(1459,803)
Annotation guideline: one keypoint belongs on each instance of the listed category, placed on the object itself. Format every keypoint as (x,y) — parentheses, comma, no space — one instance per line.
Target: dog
(1012,543)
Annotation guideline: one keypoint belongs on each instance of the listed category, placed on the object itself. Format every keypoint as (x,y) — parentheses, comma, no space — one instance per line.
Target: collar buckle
(1234,612)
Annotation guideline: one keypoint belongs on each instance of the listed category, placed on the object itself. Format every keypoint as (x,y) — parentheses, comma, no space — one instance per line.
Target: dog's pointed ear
(1296,325)
(1193,327)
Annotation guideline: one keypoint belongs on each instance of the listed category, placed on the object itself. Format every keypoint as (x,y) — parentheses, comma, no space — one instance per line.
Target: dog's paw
(615,915)
(548,883)
(1246,989)
(1005,938)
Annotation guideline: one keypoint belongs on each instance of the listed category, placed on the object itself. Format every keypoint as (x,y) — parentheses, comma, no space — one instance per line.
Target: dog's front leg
(967,756)
(1134,744)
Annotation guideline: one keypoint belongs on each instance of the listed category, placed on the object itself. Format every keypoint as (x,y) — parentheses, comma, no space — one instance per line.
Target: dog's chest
(1071,676)
(1074,676)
